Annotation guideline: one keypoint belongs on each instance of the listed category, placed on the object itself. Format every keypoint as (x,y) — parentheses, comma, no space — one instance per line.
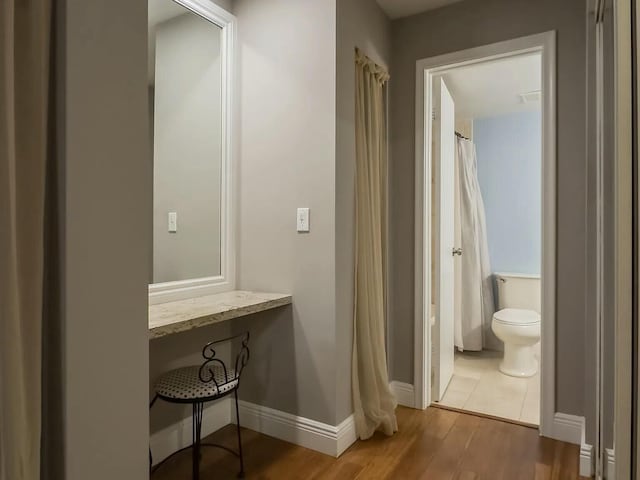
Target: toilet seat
(516,317)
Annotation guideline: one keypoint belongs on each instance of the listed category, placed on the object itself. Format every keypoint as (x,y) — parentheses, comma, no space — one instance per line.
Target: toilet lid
(517,316)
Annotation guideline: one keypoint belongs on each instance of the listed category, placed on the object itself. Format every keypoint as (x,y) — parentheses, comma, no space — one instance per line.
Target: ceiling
(404,8)
(494,88)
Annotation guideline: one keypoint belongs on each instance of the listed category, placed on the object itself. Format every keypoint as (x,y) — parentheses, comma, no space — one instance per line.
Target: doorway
(485,269)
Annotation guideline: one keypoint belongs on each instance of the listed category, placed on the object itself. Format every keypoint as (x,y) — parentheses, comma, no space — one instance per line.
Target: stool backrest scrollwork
(209,353)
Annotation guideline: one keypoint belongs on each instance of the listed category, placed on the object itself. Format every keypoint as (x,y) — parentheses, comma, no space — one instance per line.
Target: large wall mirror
(190,105)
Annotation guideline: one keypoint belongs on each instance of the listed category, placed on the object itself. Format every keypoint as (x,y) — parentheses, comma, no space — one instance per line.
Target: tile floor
(478,386)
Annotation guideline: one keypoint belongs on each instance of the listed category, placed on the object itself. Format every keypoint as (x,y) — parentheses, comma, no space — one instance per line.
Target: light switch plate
(303,220)
(172,223)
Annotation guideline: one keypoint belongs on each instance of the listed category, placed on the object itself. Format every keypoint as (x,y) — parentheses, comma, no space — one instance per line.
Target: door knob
(456,251)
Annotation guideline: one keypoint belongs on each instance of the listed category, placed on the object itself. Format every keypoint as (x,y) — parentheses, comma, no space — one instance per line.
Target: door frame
(545,44)
(626,19)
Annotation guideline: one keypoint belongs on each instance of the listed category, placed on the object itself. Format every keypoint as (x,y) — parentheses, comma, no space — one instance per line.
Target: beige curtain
(374,403)
(24,99)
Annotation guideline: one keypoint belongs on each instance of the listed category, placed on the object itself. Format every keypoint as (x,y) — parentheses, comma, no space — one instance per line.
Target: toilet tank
(518,290)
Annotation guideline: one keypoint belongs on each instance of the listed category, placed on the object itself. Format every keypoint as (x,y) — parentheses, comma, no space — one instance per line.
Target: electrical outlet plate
(172,222)
(303,220)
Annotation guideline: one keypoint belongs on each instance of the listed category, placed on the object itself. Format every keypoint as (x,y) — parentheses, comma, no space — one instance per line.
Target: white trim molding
(609,464)
(404,393)
(178,435)
(571,429)
(318,436)
(545,44)
(625,225)
(226,280)
(587,458)
(567,428)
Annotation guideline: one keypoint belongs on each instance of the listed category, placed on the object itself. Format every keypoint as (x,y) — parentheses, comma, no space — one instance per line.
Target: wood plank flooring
(434,444)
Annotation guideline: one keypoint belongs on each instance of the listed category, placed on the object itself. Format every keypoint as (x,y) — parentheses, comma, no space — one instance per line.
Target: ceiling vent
(531,97)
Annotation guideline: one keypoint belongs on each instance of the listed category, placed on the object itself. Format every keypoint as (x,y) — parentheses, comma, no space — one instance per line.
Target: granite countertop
(183,315)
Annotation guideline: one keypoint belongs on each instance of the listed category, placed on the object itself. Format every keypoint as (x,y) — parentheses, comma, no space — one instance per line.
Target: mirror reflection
(185,90)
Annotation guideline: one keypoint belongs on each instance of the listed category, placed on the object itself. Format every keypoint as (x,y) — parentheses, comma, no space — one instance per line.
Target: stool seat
(185,384)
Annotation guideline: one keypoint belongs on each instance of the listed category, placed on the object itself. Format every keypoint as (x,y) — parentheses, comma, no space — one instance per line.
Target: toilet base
(518,361)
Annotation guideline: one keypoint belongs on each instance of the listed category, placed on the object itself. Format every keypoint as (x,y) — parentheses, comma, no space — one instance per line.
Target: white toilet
(517,323)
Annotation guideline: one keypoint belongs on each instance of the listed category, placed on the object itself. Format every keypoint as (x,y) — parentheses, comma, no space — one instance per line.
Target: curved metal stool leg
(197,430)
(241,474)
(150,455)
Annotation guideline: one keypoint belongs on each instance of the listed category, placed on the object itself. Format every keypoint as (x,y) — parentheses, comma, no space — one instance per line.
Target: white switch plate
(173,222)
(303,220)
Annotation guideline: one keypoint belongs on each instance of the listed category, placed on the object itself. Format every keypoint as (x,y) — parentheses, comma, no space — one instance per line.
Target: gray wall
(464,25)
(286,160)
(360,23)
(102,135)
(187,148)
(226,4)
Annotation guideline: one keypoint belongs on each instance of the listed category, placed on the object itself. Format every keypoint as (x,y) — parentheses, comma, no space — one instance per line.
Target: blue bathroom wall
(509,152)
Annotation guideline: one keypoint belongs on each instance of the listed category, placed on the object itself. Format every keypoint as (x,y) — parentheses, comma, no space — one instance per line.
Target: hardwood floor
(434,444)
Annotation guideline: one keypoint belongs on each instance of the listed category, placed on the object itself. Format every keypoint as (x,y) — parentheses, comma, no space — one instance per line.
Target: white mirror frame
(226,281)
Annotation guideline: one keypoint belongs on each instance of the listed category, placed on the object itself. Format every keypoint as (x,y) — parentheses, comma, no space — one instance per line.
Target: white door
(443,235)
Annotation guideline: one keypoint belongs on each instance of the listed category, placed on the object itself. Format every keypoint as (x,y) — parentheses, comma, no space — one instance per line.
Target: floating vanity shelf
(183,315)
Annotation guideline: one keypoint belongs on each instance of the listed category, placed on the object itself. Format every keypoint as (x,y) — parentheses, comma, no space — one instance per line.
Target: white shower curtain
(474,329)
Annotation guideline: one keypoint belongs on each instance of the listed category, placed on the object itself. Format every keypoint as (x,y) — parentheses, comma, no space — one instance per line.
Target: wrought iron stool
(199,384)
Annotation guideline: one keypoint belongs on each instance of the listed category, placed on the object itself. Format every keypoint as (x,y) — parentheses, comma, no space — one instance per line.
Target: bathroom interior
(486,290)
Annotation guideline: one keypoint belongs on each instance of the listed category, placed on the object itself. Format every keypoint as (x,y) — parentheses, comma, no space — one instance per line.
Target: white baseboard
(324,438)
(571,429)
(586,460)
(609,464)
(586,454)
(567,428)
(346,435)
(177,436)
(404,393)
